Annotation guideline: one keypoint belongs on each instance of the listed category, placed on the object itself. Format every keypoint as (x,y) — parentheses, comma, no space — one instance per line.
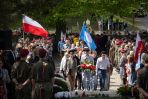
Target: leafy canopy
(49,12)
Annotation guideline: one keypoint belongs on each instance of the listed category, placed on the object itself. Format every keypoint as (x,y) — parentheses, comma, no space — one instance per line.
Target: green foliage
(62,83)
(57,88)
(49,12)
(124,91)
(59,75)
(128,91)
(6,9)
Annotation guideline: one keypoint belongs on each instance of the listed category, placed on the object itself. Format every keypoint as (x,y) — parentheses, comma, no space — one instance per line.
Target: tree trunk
(60,27)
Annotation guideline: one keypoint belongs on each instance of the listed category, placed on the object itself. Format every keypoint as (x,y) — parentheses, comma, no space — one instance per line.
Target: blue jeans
(132,78)
(92,81)
(102,77)
(86,80)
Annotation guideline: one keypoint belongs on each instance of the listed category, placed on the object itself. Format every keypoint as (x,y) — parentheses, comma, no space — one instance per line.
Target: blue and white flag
(86,37)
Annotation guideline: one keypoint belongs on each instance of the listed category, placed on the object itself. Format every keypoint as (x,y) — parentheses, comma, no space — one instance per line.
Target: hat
(24,52)
(103,52)
(72,50)
(85,49)
(42,53)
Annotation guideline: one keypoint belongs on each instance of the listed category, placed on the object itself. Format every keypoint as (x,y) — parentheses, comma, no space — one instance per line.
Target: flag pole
(23,34)
(23,40)
(23,37)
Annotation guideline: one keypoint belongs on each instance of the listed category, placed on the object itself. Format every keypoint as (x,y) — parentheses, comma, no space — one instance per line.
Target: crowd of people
(120,55)
(27,71)
(73,57)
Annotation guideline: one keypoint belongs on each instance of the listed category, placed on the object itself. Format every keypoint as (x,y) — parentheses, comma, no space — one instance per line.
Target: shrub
(124,91)
(59,75)
(57,88)
(62,83)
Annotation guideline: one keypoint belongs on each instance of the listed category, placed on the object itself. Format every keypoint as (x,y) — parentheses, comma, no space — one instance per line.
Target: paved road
(115,81)
(142,23)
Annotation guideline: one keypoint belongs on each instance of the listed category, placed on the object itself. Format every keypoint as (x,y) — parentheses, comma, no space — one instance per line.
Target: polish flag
(138,48)
(33,27)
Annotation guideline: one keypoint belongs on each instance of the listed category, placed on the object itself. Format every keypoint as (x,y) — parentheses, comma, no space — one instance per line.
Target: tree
(52,12)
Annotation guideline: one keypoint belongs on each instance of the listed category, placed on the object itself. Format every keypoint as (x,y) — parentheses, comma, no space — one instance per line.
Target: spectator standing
(122,62)
(21,76)
(142,81)
(70,69)
(42,77)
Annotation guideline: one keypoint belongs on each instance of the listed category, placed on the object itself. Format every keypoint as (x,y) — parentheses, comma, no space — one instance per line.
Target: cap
(72,50)
(85,49)
(42,53)
(103,52)
(24,53)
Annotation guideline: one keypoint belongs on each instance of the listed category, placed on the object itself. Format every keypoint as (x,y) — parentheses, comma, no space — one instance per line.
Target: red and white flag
(138,48)
(32,26)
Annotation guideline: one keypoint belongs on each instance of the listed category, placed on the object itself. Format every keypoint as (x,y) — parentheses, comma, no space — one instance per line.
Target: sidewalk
(114,85)
(115,81)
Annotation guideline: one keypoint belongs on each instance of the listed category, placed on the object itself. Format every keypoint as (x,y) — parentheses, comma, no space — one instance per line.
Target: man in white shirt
(102,66)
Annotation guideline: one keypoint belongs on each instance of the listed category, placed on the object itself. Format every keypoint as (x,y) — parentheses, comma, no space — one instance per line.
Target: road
(142,23)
